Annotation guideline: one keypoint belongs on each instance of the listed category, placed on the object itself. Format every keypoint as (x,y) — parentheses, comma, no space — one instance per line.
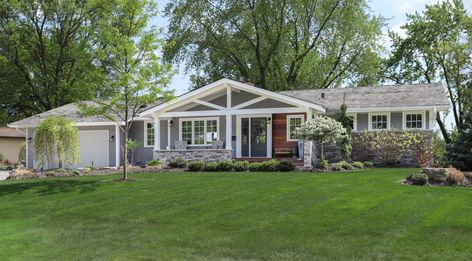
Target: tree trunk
(125,164)
(442,127)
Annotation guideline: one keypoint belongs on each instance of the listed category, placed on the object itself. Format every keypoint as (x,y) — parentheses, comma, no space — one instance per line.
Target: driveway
(4,174)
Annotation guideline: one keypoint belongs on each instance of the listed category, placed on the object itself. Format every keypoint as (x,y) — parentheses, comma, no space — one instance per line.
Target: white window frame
(423,119)
(145,134)
(379,114)
(293,116)
(205,129)
(354,120)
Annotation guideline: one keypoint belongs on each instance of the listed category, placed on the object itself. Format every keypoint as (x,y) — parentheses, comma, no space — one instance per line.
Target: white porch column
(117,146)
(229,121)
(309,115)
(168,134)
(157,133)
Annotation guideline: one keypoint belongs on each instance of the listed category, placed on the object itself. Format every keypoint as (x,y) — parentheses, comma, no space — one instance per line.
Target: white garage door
(93,148)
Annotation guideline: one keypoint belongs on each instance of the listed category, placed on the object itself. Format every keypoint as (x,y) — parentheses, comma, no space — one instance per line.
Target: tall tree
(131,65)
(277,44)
(437,48)
(46,54)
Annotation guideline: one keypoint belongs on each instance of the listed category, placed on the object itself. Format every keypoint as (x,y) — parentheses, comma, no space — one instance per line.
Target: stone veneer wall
(207,155)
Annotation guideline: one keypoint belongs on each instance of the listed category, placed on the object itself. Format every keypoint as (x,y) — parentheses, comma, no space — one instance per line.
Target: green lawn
(235,216)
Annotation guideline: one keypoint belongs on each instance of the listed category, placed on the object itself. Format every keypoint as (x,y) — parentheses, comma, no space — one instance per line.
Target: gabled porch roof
(198,97)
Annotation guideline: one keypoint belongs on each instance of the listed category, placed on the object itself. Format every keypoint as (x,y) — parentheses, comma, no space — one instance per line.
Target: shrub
(256,166)
(2,157)
(270,165)
(419,179)
(196,165)
(368,164)
(286,165)
(226,165)
(75,173)
(241,166)
(468,175)
(421,145)
(459,152)
(345,165)
(22,173)
(336,167)
(178,163)
(211,166)
(321,164)
(358,165)
(154,162)
(390,146)
(455,176)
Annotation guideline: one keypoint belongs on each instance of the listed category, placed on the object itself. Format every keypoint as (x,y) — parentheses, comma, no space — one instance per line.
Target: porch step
(297,162)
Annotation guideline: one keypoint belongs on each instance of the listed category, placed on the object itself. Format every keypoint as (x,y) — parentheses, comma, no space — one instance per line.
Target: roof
(11,133)
(375,97)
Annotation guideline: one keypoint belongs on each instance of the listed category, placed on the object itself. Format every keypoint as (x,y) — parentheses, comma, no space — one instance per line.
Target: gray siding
(362,121)
(142,154)
(396,120)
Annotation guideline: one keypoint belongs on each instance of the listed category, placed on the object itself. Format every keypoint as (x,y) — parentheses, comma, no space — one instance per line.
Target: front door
(254,137)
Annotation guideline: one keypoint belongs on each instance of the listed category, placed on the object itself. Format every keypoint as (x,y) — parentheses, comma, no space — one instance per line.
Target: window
(199,131)
(293,122)
(149,134)
(414,120)
(379,121)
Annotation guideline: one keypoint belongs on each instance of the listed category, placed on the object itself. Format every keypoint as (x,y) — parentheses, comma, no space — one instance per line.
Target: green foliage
(256,166)
(154,163)
(421,145)
(439,150)
(459,152)
(346,141)
(134,73)
(419,179)
(22,153)
(2,157)
(358,165)
(56,139)
(321,164)
(342,165)
(389,146)
(239,165)
(286,165)
(211,166)
(437,48)
(132,146)
(197,165)
(368,164)
(276,44)
(178,162)
(47,54)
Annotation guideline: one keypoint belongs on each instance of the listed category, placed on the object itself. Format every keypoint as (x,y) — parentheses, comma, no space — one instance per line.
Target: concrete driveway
(4,174)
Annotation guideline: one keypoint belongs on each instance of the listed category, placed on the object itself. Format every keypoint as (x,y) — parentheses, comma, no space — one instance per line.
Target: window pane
(150,134)
(379,122)
(199,132)
(414,121)
(187,131)
(212,131)
(293,124)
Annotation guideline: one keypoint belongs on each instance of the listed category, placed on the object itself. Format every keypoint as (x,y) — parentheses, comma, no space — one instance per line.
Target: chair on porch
(180,145)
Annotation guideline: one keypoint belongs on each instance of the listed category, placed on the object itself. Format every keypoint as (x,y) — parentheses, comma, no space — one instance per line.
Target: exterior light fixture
(112,138)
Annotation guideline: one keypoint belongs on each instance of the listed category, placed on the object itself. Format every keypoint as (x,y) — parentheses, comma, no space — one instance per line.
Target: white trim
(354,120)
(168,133)
(250,102)
(27,148)
(78,124)
(225,83)
(379,114)
(392,109)
(205,119)
(145,139)
(117,146)
(157,133)
(293,116)
(238,133)
(232,112)
(423,119)
(208,104)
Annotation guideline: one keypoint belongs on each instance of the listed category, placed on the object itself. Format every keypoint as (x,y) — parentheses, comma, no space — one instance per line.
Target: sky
(394,10)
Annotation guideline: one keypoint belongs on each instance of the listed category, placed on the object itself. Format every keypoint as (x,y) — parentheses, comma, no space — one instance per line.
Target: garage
(94,148)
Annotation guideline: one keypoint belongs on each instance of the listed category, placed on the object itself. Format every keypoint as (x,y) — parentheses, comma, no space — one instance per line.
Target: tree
(459,152)
(322,129)
(281,44)
(437,48)
(346,140)
(135,74)
(47,54)
(56,139)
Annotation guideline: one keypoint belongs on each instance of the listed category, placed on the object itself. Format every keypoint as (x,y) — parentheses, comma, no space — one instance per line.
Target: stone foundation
(207,155)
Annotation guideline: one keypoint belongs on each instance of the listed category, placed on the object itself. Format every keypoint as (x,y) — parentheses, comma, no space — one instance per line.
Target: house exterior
(10,142)
(229,119)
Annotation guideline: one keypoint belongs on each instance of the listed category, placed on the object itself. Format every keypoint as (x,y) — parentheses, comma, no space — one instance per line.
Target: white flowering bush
(322,129)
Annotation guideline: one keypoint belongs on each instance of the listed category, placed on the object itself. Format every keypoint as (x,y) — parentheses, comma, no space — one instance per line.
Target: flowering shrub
(390,146)
(322,129)
(421,145)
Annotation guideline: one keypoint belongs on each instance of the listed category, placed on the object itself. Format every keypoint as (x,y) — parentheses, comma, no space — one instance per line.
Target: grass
(235,216)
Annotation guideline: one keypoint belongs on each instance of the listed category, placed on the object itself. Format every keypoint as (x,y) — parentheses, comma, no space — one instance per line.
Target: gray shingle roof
(408,95)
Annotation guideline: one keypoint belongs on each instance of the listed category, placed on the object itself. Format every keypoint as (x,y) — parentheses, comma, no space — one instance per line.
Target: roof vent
(322,95)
